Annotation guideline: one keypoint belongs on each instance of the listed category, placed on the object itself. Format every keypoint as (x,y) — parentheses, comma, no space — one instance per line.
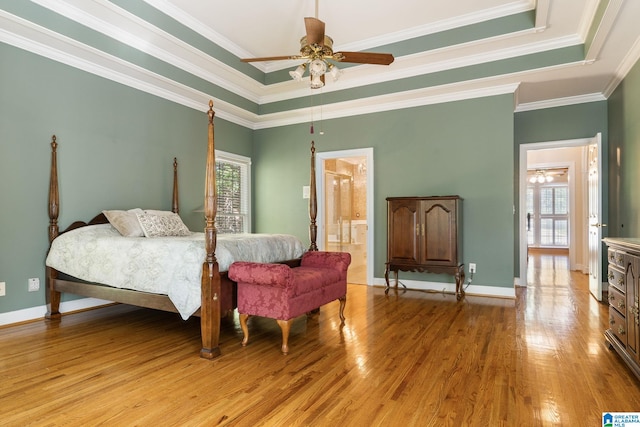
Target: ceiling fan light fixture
(540,177)
(298,72)
(335,72)
(317,67)
(316,81)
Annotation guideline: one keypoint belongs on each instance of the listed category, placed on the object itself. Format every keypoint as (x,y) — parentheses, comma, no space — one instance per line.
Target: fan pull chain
(311,130)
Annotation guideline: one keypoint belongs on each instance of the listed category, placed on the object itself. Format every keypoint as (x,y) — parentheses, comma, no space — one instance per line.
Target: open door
(588,212)
(595,218)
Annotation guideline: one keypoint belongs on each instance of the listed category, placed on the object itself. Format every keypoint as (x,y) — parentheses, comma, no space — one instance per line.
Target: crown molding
(630,59)
(604,28)
(33,38)
(560,102)
(512,8)
(128,29)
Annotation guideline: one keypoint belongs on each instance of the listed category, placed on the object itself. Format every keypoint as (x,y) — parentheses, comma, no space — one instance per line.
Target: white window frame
(538,216)
(245,163)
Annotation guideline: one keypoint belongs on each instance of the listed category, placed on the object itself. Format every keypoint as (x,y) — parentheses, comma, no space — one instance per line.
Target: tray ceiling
(547,53)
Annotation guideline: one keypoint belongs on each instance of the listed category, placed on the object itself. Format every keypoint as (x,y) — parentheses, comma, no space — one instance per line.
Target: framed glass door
(548,215)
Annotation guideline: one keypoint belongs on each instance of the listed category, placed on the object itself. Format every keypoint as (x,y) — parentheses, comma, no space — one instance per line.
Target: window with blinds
(233,173)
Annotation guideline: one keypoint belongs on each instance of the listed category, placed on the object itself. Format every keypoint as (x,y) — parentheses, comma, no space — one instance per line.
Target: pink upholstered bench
(283,293)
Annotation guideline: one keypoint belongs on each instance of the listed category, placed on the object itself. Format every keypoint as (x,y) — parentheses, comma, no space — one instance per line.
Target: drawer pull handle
(635,312)
(621,330)
(621,281)
(612,321)
(611,276)
(621,304)
(612,297)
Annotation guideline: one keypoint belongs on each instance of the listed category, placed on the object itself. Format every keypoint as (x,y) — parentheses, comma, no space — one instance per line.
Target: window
(233,181)
(548,222)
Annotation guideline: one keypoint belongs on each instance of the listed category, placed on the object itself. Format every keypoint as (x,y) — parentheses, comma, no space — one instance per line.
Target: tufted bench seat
(283,293)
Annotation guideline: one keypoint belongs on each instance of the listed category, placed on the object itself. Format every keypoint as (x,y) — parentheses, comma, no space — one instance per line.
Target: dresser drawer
(618,325)
(617,300)
(616,257)
(616,278)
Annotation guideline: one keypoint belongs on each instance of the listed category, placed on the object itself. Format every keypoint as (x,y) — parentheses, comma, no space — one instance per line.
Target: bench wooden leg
(285,325)
(245,329)
(343,301)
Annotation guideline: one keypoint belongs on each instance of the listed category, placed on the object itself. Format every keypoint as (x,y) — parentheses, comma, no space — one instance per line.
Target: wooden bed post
(52,296)
(313,201)
(175,208)
(210,287)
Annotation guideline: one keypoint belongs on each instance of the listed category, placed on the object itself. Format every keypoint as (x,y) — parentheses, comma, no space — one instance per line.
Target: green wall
(624,157)
(116,148)
(463,148)
(125,140)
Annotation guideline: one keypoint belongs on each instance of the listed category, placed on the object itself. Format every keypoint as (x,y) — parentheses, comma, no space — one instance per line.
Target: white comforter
(163,265)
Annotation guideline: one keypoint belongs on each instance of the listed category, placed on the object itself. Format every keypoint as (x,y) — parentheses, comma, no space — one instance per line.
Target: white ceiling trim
(25,35)
(625,66)
(606,24)
(588,15)
(542,14)
(127,28)
(33,38)
(432,28)
(115,21)
(415,65)
(377,104)
(267,67)
(196,25)
(560,102)
(443,25)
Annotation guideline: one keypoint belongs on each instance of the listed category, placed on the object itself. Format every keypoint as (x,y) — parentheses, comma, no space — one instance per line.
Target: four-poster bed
(217,292)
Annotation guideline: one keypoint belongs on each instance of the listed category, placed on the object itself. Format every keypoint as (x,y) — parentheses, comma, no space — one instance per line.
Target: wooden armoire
(424,235)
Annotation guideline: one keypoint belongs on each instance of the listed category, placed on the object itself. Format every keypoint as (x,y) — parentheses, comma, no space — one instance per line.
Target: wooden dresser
(623,334)
(423,234)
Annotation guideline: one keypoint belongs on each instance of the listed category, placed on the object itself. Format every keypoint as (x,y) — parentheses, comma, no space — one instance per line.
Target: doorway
(345,214)
(574,155)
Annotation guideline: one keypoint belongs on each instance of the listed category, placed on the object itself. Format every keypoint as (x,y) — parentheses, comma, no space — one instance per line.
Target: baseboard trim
(34,313)
(450,288)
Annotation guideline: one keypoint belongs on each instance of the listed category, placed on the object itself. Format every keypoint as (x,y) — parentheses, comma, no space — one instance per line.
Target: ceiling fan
(316,48)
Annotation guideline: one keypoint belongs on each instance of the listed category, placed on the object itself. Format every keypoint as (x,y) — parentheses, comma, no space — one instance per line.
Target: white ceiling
(249,28)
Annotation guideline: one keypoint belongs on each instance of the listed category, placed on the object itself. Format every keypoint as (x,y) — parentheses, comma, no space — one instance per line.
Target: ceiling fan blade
(270,58)
(315,31)
(364,57)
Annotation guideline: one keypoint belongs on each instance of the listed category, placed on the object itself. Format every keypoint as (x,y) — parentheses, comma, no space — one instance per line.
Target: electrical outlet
(472,267)
(3,289)
(34,285)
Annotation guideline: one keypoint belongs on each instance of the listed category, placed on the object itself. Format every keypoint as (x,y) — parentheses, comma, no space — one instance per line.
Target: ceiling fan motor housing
(314,51)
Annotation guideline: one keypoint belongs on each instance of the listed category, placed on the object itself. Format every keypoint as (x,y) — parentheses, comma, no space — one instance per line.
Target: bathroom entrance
(342,209)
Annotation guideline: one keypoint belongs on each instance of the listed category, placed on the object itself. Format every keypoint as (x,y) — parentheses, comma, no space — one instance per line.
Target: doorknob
(598,225)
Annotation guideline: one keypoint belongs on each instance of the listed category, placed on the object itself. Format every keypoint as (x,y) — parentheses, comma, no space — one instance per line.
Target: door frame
(358,152)
(524,149)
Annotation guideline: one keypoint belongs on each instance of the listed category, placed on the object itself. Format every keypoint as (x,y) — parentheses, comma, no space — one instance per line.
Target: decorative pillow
(161,223)
(126,222)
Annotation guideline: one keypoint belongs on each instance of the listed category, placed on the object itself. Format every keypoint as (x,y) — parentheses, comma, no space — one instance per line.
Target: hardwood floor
(411,358)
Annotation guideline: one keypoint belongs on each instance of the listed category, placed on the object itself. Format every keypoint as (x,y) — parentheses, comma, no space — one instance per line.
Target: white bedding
(162,265)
